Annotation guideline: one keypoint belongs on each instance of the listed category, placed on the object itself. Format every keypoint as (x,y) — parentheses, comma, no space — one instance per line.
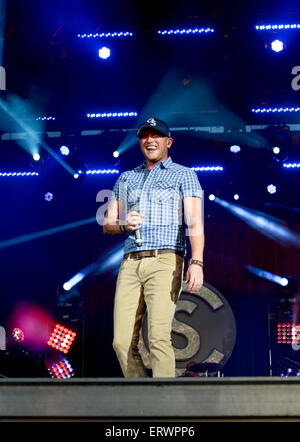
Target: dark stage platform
(180,399)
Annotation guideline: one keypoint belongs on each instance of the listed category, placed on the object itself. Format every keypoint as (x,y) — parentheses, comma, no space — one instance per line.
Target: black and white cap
(154,125)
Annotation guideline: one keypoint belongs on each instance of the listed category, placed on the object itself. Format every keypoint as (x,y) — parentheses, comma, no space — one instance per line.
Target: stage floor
(180,399)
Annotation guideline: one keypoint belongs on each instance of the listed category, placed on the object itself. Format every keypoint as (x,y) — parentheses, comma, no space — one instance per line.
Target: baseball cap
(155,125)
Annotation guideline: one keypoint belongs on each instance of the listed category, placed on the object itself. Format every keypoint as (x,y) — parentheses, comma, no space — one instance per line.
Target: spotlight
(236,196)
(277,46)
(104,53)
(116,154)
(61,369)
(36,157)
(76,176)
(61,338)
(64,150)
(18,334)
(276,150)
(284,282)
(235,149)
(73,281)
(271,188)
(211,197)
(49,196)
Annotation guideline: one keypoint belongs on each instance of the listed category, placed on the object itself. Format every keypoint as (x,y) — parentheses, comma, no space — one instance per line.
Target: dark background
(202,81)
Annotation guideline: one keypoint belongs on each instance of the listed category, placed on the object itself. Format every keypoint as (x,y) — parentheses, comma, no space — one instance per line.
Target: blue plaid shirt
(158,194)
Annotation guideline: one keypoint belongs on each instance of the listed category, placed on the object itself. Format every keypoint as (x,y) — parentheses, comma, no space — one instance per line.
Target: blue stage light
(18,174)
(277,46)
(236,196)
(189,31)
(235,148)
(73,281)
(275,110)
(36,157)
(45,118)
(104,53)
(112,115)
(276,27)
(49,196)
(276,150)
(64,150)
(291,165)
(281,280)
(211,197)
(271,188)
(208,169)
(102,171)
(106,35)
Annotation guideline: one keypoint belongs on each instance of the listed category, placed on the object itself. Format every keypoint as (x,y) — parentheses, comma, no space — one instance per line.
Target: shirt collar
(163,164)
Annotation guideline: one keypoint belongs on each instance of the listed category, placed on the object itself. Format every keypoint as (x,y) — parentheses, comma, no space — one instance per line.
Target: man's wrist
(196,262)
(123,228)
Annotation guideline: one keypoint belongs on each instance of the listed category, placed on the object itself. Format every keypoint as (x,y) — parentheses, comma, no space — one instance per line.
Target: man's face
(155,146)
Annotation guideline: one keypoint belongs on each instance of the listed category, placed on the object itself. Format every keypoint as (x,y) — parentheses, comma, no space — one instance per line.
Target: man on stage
(150,205)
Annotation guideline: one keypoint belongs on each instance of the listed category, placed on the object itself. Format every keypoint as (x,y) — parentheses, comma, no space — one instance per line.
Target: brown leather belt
(151,253)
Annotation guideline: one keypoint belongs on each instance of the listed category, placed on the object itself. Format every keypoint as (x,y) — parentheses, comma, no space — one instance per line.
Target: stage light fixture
(18,334)
(207,169)
(106,35)
(236,196)
(235,148)
(276,27)
(271,188)
(61,338)
(73,281)
(276,150)
(280,280)
(112,115)
(189,31)
(102,171)
(279,109)
(45,118)
(104,53)
(277,46)
(291,165)
(211,197)
(48,196)
(60,369)
(288,333)
(64,150)
(116,154)
(18,174)
(36,157)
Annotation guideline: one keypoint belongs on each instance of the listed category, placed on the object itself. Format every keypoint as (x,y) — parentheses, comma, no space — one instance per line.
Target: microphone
(138,239)
(137,233)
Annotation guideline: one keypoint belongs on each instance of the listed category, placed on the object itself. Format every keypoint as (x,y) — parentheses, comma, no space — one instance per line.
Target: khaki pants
(155,283)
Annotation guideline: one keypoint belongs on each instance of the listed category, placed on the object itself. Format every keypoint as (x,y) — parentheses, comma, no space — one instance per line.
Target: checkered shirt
(157,194)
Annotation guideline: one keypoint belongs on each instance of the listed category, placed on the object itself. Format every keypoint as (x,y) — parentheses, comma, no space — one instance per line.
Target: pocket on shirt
(163,192)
